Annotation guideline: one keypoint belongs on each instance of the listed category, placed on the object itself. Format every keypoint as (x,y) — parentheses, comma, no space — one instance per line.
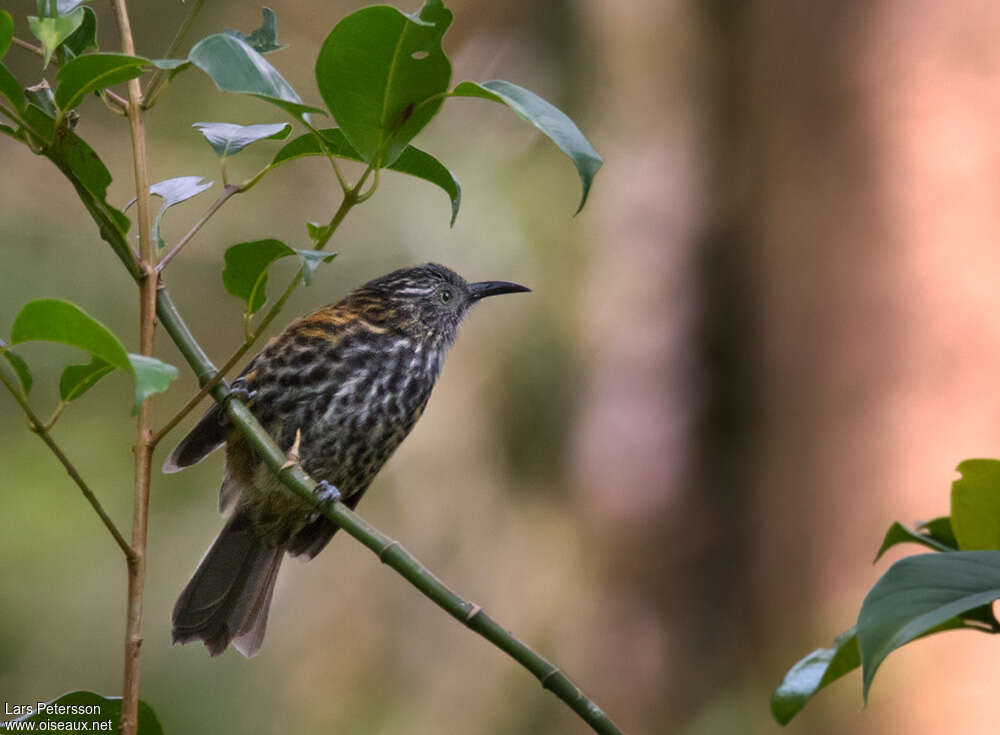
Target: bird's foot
(239,390)
(327,494)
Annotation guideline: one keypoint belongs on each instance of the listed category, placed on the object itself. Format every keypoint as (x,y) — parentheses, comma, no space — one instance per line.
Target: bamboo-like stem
(143,447)
(223,198)
(36,426)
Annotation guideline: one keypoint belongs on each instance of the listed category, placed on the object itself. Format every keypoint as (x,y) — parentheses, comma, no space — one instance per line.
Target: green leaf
(975,504)
(53,320)
(6,32)
(412,161)
(227,139)
(20,367)
(174,191)
(940,530)
(151,376)
(900,534)
(235,67)
(78,379)
(107,712)
(40,95)
(94,71)
(245,274)
(383,75)
(547,118)
(264,40)
(920,595)
(84,37)
(819,669)
(53,31)
(11,89)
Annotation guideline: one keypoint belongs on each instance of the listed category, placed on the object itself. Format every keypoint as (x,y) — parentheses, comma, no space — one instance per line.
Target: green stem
(158,81)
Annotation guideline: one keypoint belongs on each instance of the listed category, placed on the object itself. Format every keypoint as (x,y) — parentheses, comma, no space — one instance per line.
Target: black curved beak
(482,289)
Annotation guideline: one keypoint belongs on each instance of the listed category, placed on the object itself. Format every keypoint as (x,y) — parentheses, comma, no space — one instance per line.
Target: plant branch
(160,77)
(36,426)
(143,447)
(227,193)
(389,551)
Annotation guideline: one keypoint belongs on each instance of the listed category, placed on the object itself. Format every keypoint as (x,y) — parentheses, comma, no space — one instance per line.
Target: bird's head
(429,301)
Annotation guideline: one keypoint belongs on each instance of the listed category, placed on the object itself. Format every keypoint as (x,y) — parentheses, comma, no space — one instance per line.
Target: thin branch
(36,426)
(160,77)
(227,193)
(143,448)
(37,50)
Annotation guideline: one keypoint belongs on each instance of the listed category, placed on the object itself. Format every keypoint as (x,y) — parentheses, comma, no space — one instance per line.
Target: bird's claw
(327,494)
(239,390)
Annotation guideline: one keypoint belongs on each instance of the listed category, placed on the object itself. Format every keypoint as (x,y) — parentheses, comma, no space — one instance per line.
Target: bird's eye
(445,295)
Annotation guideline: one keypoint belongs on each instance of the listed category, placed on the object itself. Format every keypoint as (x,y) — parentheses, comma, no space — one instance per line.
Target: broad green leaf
(6,32)
(227,139)
(54,320)
(11,89)
(78,379)
(975,505)
(547,118)
(19,366)
(84,37)
(151,376)
(900,534)
(107,712)
(412,161)
(53,31)
(922,594)
(235,67)
(819,669)
(264,40)
(383,75)
(174,191)
(94,71)
(245,274)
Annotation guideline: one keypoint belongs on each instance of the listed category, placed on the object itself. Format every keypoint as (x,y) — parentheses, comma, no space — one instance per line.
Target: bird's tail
(228,597)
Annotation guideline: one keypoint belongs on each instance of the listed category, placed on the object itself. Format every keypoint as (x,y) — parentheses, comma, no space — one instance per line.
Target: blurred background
(768,336)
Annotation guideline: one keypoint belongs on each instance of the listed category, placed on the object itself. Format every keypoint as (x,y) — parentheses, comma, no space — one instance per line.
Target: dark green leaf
(919,595)
(547,118)
(245,274)
(10,89)
(78,379)
(383,75)
(227,139)
(235,67)
(40,95)
(265,39)
(6,32)
(939,529)
(316,231)
(107,713)
(84,37)
(20,368)
(94,71)
(900,534)
(53,320)
(412,161)
(975,505)
(53,31)
(151,376)
(814,672)
(175,191)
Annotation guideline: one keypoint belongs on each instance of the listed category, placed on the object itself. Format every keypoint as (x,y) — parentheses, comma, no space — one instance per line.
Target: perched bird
(346,384)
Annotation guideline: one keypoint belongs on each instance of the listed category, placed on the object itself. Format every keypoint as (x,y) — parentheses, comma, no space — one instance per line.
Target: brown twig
(223,198)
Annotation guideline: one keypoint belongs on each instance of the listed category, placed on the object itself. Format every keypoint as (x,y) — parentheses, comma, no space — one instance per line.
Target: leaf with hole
(412,161)
(924,594)
(546,117)
(174,191)
(236,67)
(54,30)
(88,710)
(245,274)
(812,673)
(228,139)
(383,75)
(975,504)
(263,40)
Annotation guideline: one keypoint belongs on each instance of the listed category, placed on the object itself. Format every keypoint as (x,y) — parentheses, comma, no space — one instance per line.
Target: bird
(343,386)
